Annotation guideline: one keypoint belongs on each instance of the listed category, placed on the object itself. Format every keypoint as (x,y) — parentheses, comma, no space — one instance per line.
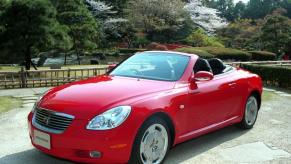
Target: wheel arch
(160,115)
(257,94)
(169,122)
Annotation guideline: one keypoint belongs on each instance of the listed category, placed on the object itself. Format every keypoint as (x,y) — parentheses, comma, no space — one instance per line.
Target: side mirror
(202,76)
(111,66)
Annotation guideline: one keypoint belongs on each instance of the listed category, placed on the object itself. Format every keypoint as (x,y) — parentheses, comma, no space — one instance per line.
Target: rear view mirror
(202,76)
(111,67)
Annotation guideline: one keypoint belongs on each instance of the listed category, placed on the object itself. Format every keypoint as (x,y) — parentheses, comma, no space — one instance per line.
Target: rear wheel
(250,114)
(152,142)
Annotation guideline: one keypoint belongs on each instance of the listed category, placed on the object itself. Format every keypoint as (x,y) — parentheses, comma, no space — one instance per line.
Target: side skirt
(207,129)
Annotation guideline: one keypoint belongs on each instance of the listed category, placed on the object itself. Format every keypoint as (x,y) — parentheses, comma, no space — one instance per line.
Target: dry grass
(268,95)
(8,103)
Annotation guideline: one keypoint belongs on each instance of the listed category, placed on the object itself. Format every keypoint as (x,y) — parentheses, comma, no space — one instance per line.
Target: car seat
(216,65)
(202,65)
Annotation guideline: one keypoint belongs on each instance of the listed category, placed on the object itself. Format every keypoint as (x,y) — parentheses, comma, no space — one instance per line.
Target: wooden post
(51,78)
(22,78)
(5,80)
(13,80)
(64,78)
(33,78)
(95,72)
(69,75)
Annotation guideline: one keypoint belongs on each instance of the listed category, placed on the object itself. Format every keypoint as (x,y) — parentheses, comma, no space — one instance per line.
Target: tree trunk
(128,40)
(78,57)
(289,52)
(65,62)
(33,64)
(27,58)
(77,51)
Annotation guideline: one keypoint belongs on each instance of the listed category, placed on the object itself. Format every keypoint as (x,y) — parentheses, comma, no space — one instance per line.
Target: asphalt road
(268,142)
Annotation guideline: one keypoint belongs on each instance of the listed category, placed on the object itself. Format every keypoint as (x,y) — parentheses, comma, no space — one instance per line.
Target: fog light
(95,154)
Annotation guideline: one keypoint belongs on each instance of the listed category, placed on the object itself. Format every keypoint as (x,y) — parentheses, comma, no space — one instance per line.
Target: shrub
(130,50)
(175,46)
(218,52)
(195,51)
(227,53)
(140,41)
(105,52)
(262,55)
(199,38)
(156,46)
(273,75)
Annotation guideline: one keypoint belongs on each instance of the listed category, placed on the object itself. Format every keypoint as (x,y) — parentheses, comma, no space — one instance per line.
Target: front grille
(51,121)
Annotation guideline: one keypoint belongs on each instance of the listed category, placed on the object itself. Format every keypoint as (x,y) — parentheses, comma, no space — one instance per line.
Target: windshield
(153,65)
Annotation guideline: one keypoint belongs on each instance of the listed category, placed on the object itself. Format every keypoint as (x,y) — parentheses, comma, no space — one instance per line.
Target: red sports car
(142,107)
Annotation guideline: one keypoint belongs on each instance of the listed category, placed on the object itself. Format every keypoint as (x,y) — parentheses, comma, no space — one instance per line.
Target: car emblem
(46,120)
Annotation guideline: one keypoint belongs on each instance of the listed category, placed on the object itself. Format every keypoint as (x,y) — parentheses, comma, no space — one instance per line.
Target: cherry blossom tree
(100,9)
(205,17)
(114,27)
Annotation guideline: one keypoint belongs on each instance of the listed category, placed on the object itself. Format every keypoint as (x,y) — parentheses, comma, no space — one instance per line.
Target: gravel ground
(268,142)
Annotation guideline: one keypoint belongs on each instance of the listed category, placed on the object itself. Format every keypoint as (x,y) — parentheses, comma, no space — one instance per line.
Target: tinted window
(153,65)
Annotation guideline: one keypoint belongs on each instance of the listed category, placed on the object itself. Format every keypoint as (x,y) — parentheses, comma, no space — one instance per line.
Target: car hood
(87,98)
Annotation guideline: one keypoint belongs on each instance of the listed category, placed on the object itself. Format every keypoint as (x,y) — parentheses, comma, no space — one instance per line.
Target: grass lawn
(17,68)
(8,103)
(268,95)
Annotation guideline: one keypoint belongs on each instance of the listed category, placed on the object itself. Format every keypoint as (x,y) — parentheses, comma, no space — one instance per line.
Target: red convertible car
(138,110)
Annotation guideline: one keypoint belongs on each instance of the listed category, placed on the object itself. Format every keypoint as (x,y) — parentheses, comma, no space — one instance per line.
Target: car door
(238,93)
(209,102)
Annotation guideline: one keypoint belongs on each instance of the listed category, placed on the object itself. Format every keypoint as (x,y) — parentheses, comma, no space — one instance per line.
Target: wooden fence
(44,78)
(274,63)
(54,77)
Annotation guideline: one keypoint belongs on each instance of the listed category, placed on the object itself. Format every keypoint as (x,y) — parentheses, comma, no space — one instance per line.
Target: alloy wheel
(251,110)
(154,144)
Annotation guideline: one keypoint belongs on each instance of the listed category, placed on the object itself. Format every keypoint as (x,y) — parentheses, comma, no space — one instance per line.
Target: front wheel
(250,114)
(152,142)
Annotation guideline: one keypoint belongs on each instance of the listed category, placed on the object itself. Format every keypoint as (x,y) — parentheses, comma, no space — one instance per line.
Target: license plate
(42,139)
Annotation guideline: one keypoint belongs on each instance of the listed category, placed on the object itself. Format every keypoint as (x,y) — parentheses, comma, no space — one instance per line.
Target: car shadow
(32,156)
(189,149)
(177,154)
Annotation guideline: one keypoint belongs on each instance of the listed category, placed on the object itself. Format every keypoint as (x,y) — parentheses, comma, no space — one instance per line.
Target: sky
(245,1)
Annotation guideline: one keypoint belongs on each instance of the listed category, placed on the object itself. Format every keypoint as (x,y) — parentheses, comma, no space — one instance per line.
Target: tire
(153,138)
(250,113)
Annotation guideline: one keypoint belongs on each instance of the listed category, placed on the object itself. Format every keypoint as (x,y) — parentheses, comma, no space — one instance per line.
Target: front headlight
(110,119)
(37,101)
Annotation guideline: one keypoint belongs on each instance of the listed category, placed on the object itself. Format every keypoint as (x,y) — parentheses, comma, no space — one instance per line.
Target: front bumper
(76,142)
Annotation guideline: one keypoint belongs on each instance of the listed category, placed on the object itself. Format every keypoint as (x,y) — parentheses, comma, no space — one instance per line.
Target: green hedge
(262,55)
(273,75)
(218,52)
(130,50)
(196,51)
(227,53)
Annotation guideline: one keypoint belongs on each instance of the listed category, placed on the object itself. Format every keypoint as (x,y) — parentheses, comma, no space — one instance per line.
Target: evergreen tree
(83,27)
(240,34)
(286,4)
(276,34)
(29,27)
(3,6)
(257,9)
(226,8)
(239,10)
